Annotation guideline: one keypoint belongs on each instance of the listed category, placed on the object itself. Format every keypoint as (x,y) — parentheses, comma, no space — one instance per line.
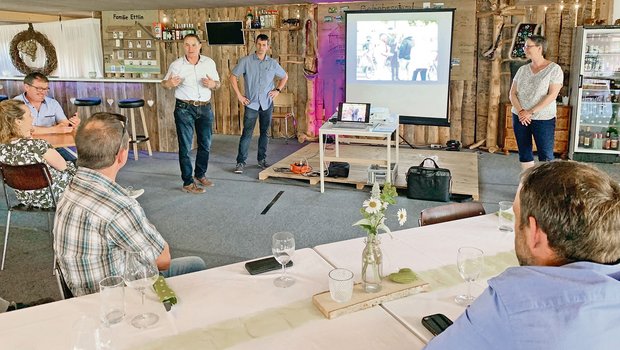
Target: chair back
(65,292)
(26,177)
(284,100)
(449,212)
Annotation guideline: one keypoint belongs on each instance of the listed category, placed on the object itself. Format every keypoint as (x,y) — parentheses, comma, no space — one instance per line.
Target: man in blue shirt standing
(566,293)
(259,71)
(47,114)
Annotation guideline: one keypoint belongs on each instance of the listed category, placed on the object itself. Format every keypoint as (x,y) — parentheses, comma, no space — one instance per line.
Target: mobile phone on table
(264,265)
(436,323)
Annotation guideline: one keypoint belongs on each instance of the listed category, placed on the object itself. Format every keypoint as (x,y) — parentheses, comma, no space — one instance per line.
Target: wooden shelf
(283,29)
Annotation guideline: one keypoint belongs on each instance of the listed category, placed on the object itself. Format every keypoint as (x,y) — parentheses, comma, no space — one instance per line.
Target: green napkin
(404,275)
(164,292)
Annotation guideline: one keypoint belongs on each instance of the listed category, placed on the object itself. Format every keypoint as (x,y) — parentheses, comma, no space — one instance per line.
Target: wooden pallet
(463,166)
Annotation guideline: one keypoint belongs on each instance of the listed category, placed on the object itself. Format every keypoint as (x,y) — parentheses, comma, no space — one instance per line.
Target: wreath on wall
(25,43)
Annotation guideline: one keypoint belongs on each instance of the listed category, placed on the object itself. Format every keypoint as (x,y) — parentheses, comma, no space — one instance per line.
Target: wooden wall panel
(64,91)
(228,111)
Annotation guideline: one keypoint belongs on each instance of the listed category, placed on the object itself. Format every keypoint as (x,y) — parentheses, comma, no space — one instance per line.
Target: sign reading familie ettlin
(125,18)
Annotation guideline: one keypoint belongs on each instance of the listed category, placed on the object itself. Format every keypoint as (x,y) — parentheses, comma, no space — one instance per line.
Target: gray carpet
(225,225)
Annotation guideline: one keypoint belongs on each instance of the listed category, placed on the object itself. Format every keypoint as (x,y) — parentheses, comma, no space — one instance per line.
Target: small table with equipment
(383,129)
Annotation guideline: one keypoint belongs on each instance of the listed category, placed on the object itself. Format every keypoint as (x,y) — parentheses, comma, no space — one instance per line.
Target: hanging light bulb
(545,8)
(165,18)
(562,5)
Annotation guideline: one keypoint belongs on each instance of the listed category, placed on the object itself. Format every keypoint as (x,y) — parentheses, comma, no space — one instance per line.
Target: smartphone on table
(259,266)
(436,323)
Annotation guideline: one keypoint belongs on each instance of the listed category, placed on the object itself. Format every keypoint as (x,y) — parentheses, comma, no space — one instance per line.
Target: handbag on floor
(429,183)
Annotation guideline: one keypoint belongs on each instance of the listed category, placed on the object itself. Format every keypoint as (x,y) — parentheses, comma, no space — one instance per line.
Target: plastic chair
(26,178)
(285,101)
(449,212)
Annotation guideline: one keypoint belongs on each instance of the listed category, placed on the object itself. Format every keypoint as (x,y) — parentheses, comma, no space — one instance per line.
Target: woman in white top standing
(534,90)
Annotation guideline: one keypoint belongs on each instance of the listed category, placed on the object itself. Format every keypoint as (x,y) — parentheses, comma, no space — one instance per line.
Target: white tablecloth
(218,308)
(429,249)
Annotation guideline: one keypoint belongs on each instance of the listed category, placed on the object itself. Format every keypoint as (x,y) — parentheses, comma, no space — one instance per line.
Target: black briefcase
(429,183)
(338,169)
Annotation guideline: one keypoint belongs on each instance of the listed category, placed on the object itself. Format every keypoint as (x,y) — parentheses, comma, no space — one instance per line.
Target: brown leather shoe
(192,188)
(203,181)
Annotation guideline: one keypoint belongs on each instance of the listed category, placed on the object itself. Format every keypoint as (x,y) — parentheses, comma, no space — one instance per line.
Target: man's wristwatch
(278,90)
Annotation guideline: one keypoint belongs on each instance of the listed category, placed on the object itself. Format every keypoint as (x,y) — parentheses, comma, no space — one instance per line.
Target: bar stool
(87,102)
(132,104)
(3,97)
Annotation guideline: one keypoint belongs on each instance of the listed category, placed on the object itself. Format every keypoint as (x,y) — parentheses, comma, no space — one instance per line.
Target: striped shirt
(96,223)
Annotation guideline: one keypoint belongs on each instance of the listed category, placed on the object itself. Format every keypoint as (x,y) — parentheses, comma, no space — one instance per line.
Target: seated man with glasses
(47,114)
(96,220)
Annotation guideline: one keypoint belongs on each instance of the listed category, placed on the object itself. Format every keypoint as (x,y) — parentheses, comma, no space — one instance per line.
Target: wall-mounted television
(225,33)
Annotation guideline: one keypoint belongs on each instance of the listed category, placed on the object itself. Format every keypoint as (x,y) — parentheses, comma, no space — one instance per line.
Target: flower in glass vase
(373,211)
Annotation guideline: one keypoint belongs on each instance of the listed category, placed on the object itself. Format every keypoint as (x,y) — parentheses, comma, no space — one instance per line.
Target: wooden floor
(463,165)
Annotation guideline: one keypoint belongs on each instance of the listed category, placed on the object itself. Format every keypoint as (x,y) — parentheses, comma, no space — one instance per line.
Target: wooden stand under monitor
(562,131)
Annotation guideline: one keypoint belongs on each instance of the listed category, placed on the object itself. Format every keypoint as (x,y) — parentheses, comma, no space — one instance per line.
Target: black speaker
(338,169)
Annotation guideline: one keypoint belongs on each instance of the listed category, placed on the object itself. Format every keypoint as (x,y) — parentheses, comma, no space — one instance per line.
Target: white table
(220,307)
(423,249)
(385,131)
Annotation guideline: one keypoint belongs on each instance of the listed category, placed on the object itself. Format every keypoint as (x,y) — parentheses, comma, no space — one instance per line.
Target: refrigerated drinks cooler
(595,95)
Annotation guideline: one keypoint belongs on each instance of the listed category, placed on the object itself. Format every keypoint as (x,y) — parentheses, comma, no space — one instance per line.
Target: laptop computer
(353,115)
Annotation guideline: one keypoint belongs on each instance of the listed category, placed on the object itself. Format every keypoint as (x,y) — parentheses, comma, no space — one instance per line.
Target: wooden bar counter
(159,115)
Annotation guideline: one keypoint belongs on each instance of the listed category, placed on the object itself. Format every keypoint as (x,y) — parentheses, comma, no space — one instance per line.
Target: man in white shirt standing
(193,77)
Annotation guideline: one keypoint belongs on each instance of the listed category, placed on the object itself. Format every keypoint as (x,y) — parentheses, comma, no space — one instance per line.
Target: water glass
(469,262)
(506,216)
(112,291)
(283,247)
(341,285)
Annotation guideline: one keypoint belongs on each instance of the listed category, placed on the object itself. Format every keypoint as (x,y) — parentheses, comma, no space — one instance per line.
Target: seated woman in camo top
(17,147)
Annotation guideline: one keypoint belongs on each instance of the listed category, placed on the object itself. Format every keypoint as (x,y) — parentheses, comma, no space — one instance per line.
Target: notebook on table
(353,115)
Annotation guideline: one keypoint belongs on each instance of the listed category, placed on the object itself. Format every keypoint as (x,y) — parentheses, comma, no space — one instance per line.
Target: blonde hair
(10,113)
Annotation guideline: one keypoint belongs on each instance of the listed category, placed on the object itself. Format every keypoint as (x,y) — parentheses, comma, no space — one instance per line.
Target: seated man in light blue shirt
(566,294)
(47,114)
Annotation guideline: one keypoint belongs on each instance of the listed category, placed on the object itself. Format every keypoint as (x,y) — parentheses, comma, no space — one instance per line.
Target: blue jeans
(249,122)
(544,135)
(186,118)
(180,266)
(421,71)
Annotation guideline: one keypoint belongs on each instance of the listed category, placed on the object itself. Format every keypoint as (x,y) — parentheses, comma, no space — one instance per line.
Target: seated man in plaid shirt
(97,222)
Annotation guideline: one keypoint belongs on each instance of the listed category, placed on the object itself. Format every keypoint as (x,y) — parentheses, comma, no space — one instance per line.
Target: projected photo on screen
(397,50)
(400,60)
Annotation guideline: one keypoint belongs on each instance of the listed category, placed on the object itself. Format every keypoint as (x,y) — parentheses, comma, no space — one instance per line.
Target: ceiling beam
(26,17)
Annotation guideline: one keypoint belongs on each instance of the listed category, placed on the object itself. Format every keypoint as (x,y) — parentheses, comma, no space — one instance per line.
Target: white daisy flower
(372,206)
(402,216)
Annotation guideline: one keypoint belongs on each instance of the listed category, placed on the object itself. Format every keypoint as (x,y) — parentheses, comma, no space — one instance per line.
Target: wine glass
(469,261)
(140,273)
(283,247)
